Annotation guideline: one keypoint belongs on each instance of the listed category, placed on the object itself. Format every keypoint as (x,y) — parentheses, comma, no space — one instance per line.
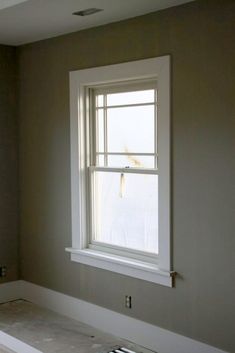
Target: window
(120,168)
(123,172)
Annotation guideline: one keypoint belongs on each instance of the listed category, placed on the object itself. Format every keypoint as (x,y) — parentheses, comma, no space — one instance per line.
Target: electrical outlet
(3,271)
(128,301)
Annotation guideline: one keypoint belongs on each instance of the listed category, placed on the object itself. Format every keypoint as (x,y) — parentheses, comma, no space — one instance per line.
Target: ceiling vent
(87,12)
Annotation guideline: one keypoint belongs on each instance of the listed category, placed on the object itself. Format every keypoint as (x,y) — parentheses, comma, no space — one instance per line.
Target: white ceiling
(25,21)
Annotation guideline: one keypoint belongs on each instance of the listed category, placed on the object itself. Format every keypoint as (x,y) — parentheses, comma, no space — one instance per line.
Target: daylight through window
(124,172)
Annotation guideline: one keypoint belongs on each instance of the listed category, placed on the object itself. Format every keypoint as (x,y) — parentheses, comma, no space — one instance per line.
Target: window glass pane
(100,100)
(131,161)
(131,129)
(100,160)
(135,97)
(100,130)
(126,210)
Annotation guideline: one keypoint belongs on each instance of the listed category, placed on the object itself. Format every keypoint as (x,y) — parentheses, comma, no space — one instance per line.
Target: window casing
(94,149)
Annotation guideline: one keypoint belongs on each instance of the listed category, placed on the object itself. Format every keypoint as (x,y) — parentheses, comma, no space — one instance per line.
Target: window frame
(81,81)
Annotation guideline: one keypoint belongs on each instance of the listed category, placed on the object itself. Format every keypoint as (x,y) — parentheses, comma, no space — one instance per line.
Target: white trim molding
(152,337)
(81,81)
(128,266)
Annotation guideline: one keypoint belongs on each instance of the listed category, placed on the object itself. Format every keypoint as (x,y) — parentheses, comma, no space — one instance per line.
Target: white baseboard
(139,332)
(10,291)
(16,345)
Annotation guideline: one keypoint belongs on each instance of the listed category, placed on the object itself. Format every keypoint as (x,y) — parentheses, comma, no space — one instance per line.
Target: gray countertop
(50,332)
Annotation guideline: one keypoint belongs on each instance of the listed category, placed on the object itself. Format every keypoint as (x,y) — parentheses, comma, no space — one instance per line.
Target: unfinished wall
(200,38)
(8,164)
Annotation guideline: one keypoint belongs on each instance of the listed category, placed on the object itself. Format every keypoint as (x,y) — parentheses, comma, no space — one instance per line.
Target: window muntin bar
(125,105)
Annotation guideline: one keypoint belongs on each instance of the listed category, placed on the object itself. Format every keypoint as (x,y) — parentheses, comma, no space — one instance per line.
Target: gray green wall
(200,38)
(8,164)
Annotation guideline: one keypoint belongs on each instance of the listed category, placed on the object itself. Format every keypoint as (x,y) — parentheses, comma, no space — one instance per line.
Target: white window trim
(158,68)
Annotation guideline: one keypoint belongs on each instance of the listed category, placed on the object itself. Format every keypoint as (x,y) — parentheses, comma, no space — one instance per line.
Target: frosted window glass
(131,129)
(127,210)
(100,100)
(100,160)
(135,97)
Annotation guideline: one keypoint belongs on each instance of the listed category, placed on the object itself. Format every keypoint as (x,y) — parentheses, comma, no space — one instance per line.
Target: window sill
(125,266)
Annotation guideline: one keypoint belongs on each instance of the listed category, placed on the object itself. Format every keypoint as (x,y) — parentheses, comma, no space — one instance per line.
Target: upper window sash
(100,151)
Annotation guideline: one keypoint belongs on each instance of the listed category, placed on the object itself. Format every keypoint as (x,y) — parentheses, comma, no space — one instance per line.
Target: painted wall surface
(200,38)
(8,164)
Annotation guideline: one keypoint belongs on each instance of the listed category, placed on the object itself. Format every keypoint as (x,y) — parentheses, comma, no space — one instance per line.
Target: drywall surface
(200,38)
(8,164)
